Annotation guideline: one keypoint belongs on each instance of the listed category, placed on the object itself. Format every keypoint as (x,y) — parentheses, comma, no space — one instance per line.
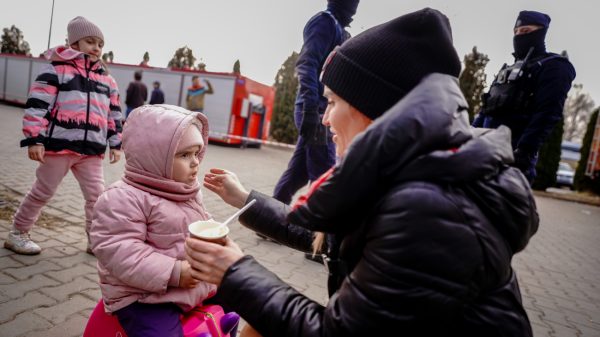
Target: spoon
(238,213)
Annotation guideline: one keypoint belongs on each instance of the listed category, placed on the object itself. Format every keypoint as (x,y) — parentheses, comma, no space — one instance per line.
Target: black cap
(532,18)
(375,69)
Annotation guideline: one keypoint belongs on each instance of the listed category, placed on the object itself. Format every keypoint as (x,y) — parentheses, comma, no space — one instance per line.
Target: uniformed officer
(528,96)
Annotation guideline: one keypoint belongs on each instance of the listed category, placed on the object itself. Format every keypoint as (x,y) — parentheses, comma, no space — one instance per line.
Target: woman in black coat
(427,210)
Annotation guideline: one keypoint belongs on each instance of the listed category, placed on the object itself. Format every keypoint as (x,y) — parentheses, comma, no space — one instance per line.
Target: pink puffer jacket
(140,223)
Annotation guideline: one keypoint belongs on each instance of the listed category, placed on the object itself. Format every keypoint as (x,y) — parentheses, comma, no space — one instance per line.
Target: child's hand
(115,155)
(36,152)
(185,276)
(227,186)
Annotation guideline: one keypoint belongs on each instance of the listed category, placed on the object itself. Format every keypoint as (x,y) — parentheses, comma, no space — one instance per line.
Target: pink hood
(62,53)
(150,139)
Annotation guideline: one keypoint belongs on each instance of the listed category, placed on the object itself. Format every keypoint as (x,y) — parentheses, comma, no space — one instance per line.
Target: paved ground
(52,294)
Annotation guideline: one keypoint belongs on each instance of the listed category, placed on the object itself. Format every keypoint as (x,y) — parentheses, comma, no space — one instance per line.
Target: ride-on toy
(204,321)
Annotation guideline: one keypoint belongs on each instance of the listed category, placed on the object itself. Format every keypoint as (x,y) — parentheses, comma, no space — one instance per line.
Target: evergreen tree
(472,80)
(182,59)
(13,42)
(145,60)
(236,67)
(283,128)
(549,157)
(578,107)
(583,182)
(108,57)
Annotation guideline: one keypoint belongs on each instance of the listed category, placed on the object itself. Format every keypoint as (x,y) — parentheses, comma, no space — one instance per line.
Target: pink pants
(86,169)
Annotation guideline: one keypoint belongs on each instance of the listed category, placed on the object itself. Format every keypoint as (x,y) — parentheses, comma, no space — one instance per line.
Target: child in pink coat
(140,222)
(72,114)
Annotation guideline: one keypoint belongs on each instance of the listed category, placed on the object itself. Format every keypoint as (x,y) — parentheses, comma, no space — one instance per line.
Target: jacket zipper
(53,122)
(87,115)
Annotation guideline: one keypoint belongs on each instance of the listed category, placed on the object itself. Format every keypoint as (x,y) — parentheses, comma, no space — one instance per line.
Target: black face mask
(535,39)
(343,10)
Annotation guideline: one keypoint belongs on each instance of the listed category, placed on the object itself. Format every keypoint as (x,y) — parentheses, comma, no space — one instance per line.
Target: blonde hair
(318,241)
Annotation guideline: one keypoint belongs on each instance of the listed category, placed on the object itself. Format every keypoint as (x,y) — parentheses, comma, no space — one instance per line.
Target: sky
(263,33)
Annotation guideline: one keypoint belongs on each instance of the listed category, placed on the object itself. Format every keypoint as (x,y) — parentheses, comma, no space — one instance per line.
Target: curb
(578,198)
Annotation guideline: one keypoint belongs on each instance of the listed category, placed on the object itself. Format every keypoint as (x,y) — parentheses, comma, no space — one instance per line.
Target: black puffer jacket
(430,216)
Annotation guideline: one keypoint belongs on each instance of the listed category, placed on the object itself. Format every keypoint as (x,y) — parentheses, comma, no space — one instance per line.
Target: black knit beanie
(375,69)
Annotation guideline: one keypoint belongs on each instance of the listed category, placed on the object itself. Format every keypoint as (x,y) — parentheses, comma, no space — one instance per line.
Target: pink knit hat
(80,27)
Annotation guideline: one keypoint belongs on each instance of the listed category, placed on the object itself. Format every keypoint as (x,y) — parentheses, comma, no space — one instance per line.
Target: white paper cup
(208,230)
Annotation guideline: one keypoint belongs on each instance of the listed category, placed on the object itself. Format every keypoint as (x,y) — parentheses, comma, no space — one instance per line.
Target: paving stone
(23,324)
(26,272)
(559,330)
(16,290)
(4,251)
(70,261)
(51,243)
(68,274)
(68,250)
(9,262)
(68,239)
(31,300)
(60,312)
(6,279)
(540,330)
(64,291)
(72,327)
(93,294)
(588,332)
(47,253)
(41,231)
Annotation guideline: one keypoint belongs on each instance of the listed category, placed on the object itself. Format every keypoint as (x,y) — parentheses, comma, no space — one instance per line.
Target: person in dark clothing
(528,96)
(427,211)
(157,96)
(137,93)
(315,152)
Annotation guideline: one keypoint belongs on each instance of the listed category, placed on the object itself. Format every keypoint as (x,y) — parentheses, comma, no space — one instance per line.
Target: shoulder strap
(541,60)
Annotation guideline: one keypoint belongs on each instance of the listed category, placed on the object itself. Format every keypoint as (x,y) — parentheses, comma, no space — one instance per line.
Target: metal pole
(50,30)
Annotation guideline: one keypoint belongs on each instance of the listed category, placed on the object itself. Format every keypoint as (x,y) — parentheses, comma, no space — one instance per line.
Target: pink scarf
(159,186)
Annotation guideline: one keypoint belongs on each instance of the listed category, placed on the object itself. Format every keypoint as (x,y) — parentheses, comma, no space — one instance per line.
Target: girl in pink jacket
(71,115)
(141,222)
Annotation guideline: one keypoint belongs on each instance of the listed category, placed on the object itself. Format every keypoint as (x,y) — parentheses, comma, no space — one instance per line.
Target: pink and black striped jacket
(73,106)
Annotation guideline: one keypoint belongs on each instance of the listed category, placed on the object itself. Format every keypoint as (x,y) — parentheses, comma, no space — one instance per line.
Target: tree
(549,157)
(108,57)
(13,42)
(182,59)
(578,107)
(583,182)
(236,67)
(472,80)
(283,128)
(145,60)
(201,66)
